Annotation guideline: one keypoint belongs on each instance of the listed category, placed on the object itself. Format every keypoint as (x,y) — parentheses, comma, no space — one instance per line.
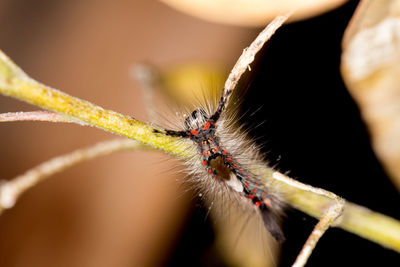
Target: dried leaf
(371,70)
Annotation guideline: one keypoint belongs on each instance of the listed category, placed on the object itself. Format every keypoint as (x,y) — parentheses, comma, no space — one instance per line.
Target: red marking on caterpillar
(194,132)
(227,158)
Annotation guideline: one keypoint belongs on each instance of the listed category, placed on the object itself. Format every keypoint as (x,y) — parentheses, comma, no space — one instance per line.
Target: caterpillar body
(224,166)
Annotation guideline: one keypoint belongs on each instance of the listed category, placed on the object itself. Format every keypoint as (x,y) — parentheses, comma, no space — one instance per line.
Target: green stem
(313,201)
(15,83)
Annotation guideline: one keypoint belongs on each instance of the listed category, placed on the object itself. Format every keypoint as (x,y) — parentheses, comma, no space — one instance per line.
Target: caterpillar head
(196,119)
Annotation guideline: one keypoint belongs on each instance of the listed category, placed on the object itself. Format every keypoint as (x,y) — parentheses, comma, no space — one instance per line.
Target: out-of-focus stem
(33,116)
(11,190)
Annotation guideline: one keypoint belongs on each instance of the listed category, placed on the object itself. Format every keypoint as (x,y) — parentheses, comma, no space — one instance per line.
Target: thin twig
(11,190)
(324,223)
(33,116)
(247,57)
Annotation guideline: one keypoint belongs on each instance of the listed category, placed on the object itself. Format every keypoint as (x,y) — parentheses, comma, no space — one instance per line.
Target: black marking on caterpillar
(220,164)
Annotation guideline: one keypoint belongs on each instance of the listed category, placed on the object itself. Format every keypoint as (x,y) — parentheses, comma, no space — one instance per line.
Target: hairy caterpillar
(224,167)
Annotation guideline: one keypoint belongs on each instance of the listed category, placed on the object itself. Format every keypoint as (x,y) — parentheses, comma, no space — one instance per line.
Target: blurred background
(127,209)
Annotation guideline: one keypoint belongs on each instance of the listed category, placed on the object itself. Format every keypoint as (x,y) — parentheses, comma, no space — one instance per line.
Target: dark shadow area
(312,129)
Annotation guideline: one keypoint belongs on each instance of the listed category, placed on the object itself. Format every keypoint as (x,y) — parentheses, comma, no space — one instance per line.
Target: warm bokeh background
(121,210)
(127,209)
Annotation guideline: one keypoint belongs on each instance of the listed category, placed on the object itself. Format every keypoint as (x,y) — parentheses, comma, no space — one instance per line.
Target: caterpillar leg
(173,133)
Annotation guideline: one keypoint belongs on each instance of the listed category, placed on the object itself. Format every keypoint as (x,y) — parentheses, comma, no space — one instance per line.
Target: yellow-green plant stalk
(15,83)
(313,201)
